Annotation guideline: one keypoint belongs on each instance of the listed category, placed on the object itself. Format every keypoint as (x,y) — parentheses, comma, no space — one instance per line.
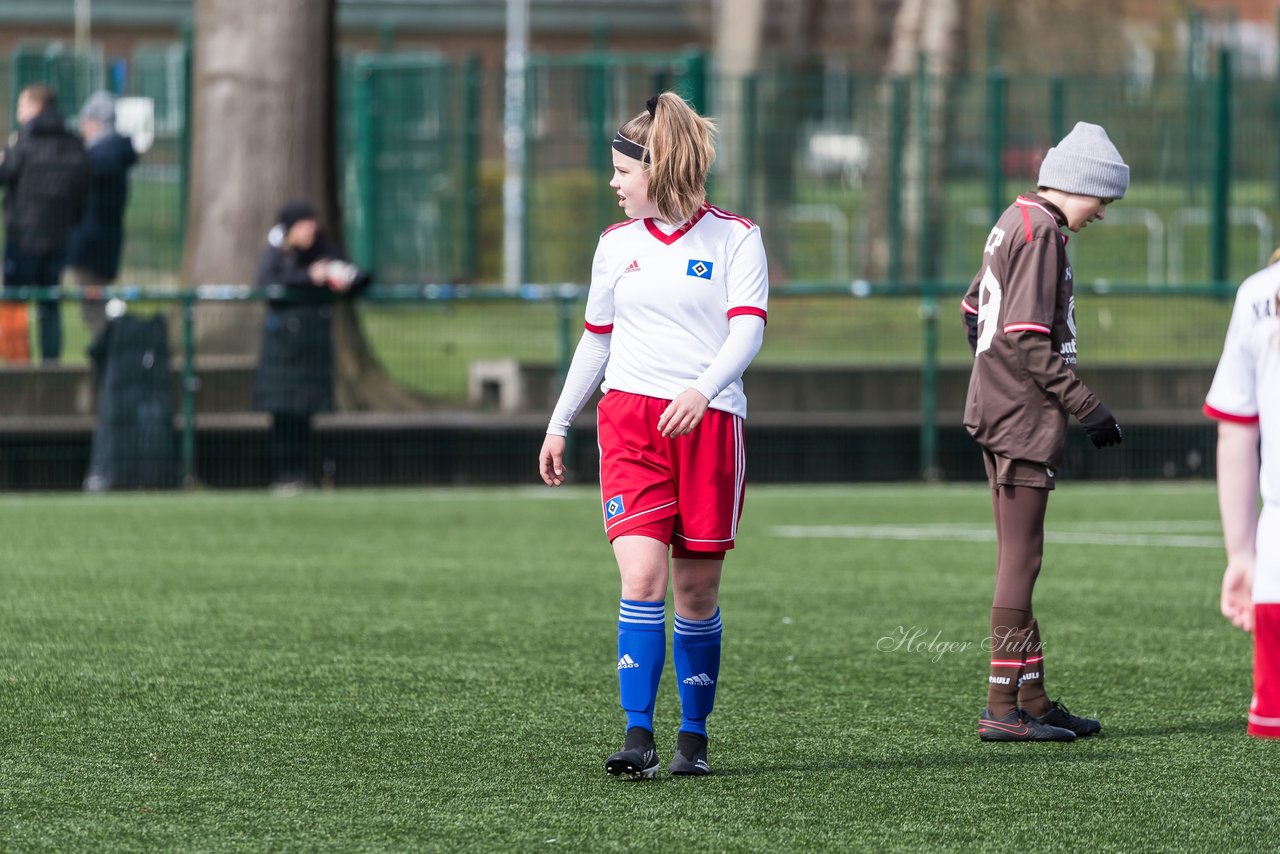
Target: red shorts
(696,481)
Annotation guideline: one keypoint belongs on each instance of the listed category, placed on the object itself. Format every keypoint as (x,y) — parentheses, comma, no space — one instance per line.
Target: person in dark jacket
(303,272)
(93,257)
(45,173)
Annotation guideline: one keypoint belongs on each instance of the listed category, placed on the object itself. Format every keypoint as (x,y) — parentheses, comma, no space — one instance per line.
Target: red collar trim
(680,232)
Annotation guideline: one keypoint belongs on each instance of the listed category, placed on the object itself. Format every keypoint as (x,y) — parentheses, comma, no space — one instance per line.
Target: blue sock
(697,653)
(642,651)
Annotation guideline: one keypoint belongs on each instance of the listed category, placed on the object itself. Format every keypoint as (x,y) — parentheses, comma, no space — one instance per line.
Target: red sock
(1264,710)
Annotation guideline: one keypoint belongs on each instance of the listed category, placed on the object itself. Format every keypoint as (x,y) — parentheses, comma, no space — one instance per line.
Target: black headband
(629,147)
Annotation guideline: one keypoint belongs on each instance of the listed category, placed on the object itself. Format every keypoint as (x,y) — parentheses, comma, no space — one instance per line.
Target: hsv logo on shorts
(613,507)
(700,269)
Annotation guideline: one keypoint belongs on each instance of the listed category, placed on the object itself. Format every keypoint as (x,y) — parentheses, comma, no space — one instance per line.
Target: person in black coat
(45,173)
(303,272)
(93,256)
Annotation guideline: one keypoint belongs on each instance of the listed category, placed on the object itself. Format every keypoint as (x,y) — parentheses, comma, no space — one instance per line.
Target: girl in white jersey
(676,312)
(1245,400)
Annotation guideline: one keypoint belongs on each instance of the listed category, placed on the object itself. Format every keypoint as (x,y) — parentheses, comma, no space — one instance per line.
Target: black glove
(971,322)
(1102,428)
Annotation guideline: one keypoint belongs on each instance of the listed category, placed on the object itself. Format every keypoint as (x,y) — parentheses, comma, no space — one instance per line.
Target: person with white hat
(1020,314)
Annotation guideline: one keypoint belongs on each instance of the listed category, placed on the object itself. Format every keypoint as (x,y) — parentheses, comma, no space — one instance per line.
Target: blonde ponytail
(681,147)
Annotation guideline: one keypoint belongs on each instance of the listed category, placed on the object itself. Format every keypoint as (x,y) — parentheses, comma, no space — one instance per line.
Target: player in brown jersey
(1020,315)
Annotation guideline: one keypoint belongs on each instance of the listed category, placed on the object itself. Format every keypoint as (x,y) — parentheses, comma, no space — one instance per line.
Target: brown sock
(1009,630)
(1031,693)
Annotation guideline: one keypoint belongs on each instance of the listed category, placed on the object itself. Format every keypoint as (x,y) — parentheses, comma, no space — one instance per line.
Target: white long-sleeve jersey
(672,310)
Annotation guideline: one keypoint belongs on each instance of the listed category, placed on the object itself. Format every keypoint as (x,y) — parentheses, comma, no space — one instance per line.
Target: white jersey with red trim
(667,298)
(1246,386)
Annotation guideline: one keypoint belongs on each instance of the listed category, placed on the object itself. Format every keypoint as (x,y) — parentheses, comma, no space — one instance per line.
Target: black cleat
(690,759)
(1059,716)
(1019,726)
(638,758)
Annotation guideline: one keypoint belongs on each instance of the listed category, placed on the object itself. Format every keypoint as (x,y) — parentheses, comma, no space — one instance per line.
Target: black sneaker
(638,758)
(1059,716)
(1019,726)
(690,759)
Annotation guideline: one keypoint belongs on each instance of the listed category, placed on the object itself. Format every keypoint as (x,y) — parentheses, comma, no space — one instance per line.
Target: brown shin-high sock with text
(1031,693)
(1009,630)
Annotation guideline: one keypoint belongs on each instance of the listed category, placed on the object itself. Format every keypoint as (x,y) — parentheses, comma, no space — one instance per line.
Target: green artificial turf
(408,670)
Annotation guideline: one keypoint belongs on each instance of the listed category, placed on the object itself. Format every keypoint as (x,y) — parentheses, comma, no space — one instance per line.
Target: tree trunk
(934,29)
(790,108)
(263,133)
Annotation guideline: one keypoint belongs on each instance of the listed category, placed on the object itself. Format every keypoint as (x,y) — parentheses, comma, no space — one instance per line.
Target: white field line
(1146,526)
(987,535)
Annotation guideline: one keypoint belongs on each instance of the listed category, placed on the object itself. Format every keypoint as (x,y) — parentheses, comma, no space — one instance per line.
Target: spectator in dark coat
(303,272)
(45,173)
(93,257)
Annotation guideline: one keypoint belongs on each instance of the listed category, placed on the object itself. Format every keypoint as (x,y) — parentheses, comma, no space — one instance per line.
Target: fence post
(747,145)
(692,84)
(471,168)
(1275,121)
(893,204)
(366,171)
(693,80)
(386,37)
(564,333)
(530,151)
(1193,124)
(922,167)
(1221,247)
(597,70)
(189,388)
(993,39)
(925,275)
(565,302)
(1057,109)
(184,134)
(995,143)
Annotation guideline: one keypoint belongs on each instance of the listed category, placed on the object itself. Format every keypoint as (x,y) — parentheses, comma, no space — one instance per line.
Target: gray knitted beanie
(101,107)
(1086,163)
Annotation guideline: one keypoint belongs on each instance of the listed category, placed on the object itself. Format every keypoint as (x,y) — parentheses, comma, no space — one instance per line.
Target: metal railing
(860,327)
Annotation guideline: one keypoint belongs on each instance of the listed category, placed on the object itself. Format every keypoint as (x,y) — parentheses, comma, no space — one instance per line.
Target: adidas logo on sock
(701,679)
(627,662)
(633,267)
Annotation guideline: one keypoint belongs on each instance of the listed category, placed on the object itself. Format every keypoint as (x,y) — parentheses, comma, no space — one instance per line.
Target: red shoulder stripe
(723,214)
(616,225)
(599,330)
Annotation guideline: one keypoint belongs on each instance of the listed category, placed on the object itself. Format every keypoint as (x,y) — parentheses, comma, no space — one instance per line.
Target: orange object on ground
(15,332)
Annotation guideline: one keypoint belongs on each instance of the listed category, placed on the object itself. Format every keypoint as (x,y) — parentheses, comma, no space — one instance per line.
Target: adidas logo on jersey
(633,267)
(627,662)
(701,679)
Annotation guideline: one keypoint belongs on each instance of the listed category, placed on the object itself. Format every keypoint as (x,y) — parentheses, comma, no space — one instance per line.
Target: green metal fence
(822,159)
(852,384)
